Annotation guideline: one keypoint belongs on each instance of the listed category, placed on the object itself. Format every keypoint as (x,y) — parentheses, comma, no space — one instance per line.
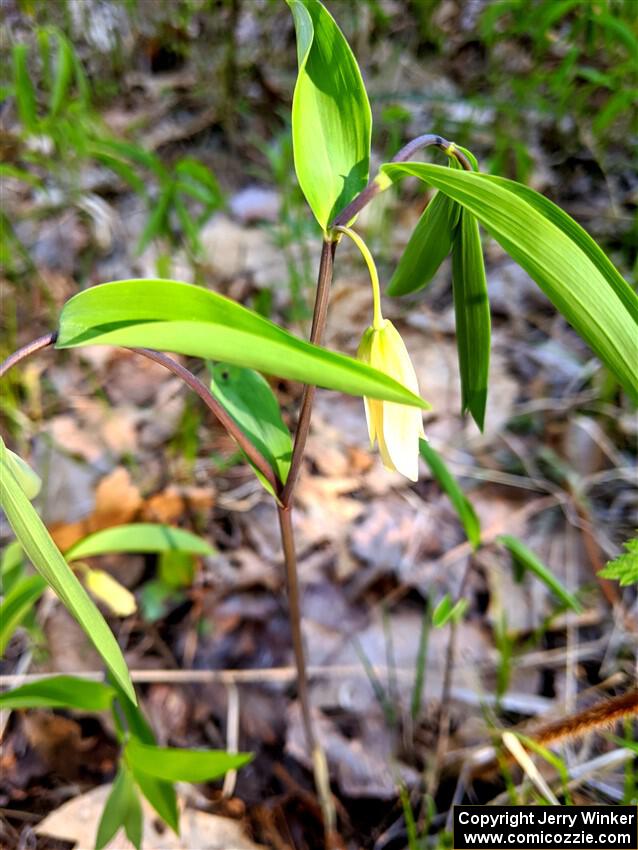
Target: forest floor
(117,439)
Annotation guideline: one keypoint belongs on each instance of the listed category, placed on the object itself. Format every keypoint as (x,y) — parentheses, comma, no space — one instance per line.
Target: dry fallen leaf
(110,592)
(171,504)
(68,435)
(117,501)
(78,820)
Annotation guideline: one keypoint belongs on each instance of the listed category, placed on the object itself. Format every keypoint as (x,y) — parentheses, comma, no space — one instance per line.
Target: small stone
(255,203)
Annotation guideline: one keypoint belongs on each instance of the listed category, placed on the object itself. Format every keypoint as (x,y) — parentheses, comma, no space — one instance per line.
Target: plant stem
(374,187)
(220,413)
(292,583)
(324,282)
(26,351)
(316,335)
(253,454)
(377,317)
(315,750)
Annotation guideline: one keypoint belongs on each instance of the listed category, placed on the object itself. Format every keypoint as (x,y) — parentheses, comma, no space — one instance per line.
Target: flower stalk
(377,317)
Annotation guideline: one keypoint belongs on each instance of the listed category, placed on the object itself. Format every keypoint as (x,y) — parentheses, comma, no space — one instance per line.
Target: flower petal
(374,417)
(385,454)
(401,432)
(397,427)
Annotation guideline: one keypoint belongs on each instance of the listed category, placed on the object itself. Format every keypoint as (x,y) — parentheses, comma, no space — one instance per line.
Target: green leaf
(429,245)
(122,809)
(63,74)
(28,480)
(331,118)
(47,559)
(576,233)
(7,170)
(12,557)
(138,537)
(450,486)
(134,721)
(447,611)
(25,93)
(190,227)
(551,758)
(117,165)
(200,174)
(555,251)
(624,568)
(248,398)
(134,820)
(182,765)
(157,597)
(176,569)
(625,743)
(43,37)
(157,224)
(60,692)
(472,159)
(161,795)
(11,566)
(472,312)
(81,82)
(172,316)
(17,604)
(134,153)
(526,559)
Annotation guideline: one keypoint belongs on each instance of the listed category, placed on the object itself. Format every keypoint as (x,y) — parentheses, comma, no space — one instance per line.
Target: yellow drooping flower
(397,427)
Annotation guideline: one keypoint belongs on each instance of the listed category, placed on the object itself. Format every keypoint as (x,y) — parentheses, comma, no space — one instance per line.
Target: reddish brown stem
(26,351)
(251,452)
(320,313)
(404,155)
(220,413)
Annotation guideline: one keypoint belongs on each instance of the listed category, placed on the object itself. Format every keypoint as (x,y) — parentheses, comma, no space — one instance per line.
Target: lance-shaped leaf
(47,559)
(527,560)
(24,91)
(448,483)
(60,692)
(138,537)
(63,74)
(182,765)
(122,809)
(447,611)
(11,566)
(172,316)
(17,604)
(331,118)
(429,245)
(160,794)
(554,250)
(472,313)
(23,474)
(247,396)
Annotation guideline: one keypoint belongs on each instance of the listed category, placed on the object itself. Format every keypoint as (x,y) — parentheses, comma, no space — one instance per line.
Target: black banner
(546,827)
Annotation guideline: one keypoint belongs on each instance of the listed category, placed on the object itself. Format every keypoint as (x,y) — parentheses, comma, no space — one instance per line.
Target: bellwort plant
(331,130)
